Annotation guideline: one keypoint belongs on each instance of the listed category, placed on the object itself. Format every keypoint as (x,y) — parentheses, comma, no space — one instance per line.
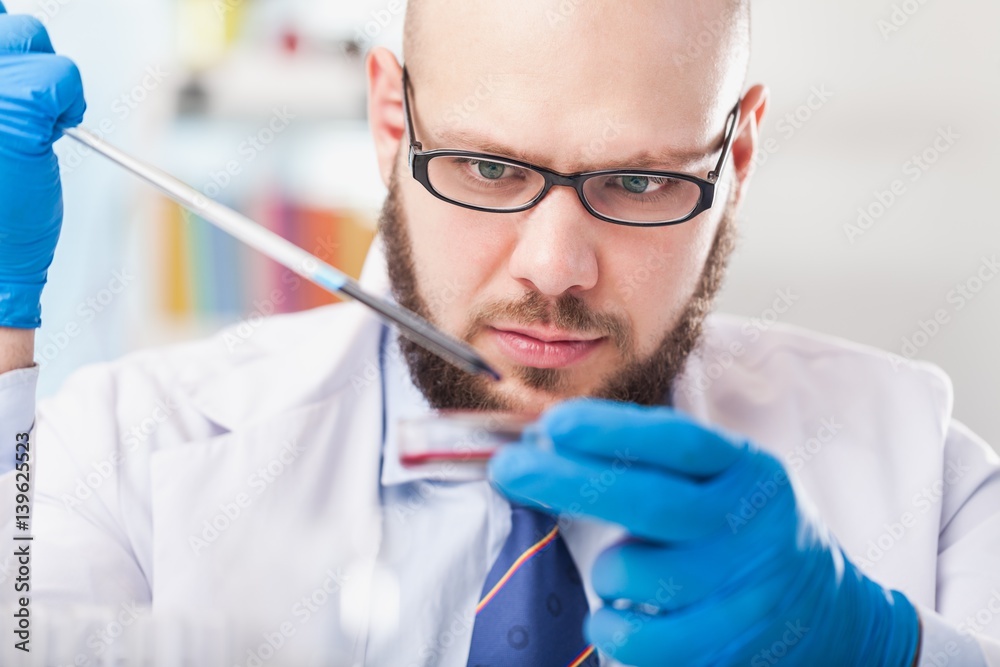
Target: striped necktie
(533,605)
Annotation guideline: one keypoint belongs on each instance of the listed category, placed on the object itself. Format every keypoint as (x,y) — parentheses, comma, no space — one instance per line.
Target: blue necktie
(533,605)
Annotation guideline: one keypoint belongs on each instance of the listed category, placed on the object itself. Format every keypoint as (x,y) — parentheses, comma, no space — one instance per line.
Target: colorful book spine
(210,275)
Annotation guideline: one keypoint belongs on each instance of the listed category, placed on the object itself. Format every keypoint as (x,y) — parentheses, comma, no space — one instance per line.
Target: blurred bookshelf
(266,114)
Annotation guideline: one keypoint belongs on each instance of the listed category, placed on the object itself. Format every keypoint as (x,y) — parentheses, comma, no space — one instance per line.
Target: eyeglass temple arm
(414,144)
(734,116)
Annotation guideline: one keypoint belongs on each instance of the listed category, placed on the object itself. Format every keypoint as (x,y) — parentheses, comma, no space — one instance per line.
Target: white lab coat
(242,473)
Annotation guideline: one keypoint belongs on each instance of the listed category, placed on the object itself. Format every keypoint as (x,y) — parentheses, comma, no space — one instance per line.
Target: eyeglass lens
(501,186)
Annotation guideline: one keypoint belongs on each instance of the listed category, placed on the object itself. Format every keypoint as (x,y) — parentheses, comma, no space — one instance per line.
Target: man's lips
(543,348)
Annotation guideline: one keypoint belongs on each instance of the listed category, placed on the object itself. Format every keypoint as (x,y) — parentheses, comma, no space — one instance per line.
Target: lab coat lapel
(279,519)
(260,371)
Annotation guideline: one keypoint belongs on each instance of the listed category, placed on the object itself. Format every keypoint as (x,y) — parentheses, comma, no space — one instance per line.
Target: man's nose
(556,250)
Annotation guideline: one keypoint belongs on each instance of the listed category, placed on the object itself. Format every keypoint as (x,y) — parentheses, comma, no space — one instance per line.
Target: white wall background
(891,95)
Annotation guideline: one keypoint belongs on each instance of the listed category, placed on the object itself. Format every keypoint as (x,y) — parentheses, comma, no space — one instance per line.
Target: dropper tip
(484,369)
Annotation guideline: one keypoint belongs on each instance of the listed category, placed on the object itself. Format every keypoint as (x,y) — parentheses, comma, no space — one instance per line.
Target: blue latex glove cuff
(19,306)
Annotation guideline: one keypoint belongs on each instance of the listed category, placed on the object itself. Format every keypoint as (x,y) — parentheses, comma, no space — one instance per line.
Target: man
(733,499)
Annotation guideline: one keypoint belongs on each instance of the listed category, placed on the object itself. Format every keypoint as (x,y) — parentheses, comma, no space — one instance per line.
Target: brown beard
(646,381)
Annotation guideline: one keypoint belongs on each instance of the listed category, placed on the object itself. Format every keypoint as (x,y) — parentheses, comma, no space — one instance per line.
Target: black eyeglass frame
(419,160)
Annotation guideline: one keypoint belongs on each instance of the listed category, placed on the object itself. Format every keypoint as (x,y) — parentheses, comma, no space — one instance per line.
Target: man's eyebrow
(668,160)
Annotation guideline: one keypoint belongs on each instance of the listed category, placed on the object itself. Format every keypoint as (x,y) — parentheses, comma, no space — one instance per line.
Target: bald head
(549,78)
(724,24)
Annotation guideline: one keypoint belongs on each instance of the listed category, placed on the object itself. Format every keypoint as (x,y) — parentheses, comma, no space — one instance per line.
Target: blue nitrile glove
(724,566)
(40,94)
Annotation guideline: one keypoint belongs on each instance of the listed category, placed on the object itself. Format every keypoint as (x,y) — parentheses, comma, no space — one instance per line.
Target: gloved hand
(724,565)
(40,94)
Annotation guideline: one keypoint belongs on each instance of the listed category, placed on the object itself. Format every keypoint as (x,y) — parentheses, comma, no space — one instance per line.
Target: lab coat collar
(291,361)
(288,368)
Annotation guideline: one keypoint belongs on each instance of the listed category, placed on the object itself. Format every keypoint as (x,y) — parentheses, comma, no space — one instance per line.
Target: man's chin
(519,395)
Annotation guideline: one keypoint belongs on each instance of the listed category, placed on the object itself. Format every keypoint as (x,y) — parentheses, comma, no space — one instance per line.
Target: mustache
(568,312)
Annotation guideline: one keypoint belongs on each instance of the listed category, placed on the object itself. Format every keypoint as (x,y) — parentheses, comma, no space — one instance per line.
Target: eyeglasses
(496,184)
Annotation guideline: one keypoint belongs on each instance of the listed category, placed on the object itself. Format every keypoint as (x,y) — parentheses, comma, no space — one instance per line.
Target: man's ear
(385,108)
(747,140)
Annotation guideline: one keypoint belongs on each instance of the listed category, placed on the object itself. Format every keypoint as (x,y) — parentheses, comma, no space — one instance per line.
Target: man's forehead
(550,36)
(575,75)
(594,155)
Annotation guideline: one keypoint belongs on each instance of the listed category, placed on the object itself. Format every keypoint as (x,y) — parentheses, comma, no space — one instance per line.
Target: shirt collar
(402,399)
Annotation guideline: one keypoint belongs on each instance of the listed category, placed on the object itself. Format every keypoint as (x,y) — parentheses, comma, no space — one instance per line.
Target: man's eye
(635,184)
(492,170)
